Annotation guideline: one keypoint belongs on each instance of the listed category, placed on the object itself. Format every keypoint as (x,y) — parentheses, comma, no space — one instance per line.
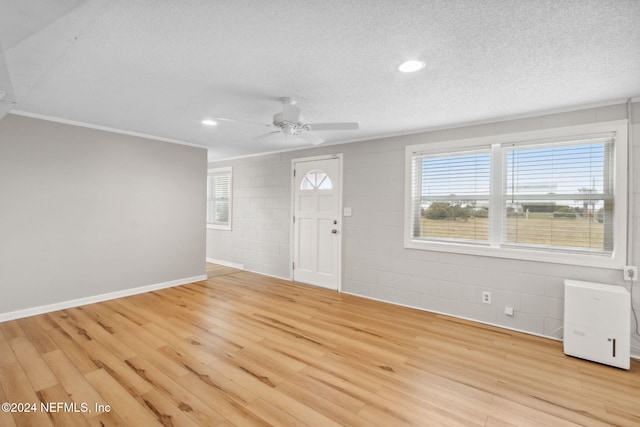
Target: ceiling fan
(290,123)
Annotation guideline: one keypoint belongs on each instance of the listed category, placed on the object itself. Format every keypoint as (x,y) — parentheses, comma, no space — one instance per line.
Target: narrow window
(219,200)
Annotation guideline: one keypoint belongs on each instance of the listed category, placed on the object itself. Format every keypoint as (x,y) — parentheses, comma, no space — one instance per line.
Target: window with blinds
(219,200)
(452,193)
(560,196)
(553,195)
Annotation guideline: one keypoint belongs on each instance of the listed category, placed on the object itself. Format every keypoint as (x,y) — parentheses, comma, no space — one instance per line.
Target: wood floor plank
(182,398)
(184,344)
(267,392)
(101,331)
(76,354)
(11,330)
(6,353)
(433,407)
(165,411)
(562,406)
(381,416)
(62,409)
(241,349)
(104,419)
(17,389)
(625,412)
(6,419)
(121,401)
(523,415)
(117,306)
(220,396)
(323,397)
(72,379)
(212,380)
(45,322)
(69,324)
(274,415)
(153,355)
(34,365)
(117,368)
(36,335)
(153,310)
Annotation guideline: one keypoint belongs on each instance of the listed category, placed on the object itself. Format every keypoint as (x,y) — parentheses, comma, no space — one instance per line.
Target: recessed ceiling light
(411,66)
(209,122)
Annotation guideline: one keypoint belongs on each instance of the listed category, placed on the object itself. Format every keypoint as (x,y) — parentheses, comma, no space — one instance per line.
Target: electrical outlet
(486,297)
(630,272)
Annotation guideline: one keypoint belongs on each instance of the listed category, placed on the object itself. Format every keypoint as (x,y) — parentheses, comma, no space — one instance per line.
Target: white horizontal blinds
(451,195)
(218,197)
(560,195)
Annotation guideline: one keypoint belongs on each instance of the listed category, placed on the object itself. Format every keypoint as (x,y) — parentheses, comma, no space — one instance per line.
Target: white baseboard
(225,263)
(18,314)
(288,279)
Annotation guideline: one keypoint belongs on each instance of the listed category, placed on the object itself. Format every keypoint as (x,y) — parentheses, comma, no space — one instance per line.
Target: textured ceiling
(159,67)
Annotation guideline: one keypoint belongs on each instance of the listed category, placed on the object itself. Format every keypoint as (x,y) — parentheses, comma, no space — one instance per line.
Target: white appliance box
(597,322)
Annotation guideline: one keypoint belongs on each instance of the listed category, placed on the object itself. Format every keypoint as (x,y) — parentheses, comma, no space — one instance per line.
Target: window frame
(218,171)
(497,209)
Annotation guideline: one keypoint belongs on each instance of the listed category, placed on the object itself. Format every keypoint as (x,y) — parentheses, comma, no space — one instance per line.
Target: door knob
(334,231)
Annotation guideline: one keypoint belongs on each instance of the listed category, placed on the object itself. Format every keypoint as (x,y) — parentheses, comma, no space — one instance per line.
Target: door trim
(338,156)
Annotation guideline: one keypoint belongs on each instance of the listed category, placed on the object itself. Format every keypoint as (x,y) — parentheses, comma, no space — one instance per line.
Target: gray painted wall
(375,263)
(85,212)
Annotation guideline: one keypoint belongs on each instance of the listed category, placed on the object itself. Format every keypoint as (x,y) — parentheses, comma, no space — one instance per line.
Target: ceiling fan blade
(333,126)
(290,113)
(311,138)
(265,135)
(246,122)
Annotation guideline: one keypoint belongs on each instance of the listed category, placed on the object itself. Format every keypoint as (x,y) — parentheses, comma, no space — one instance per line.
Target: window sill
(599,261)
(219,227)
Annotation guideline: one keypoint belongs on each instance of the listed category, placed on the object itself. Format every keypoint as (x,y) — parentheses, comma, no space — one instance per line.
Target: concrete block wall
(375,263)
(259,238)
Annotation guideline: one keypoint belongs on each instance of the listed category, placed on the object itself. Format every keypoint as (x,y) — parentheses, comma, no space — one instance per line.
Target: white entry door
(316,222)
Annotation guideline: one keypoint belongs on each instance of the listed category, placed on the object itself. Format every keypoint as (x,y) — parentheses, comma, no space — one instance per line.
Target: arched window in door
(316,180)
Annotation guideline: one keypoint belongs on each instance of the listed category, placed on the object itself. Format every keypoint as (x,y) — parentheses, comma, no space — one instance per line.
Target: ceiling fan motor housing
(289,128)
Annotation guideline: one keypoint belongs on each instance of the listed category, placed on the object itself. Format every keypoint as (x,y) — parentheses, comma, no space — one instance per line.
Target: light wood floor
(243,349)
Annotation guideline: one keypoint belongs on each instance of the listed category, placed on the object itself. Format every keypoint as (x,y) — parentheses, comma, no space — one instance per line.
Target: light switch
(347,212)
